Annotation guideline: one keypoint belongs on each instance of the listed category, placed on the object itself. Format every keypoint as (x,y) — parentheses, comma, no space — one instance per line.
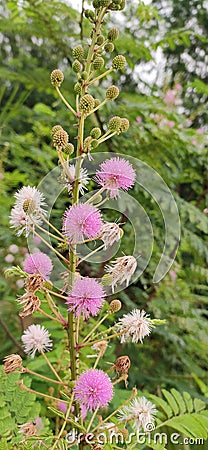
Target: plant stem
(25,388)
(91,199)
(56,294)
(65,101)
(26,370)
(95,328)
(99,106)
(92,418)
(50,225)
(87,344)
(90,254)
(50,365)
(49,316)
(48,233)
(54,309)
(64,424)
(51,247)
(100,76)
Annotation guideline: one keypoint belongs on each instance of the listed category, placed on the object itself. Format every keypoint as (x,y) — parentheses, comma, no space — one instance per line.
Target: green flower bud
(97,102)
(104,2)
(96,4)
(94,143)
(84,75)
(60,138)
(124,125)
(114,123)
(98,63)
(107,279)
(89,14)
(78,53)
(109,47)
(76,66)
(87,144)
(57,77)
(119,62)
(95,133)
(55,129)
(69,149)
(122,4)
(86,103)
(112,92)
(113,34)
(77,88)
(100,39)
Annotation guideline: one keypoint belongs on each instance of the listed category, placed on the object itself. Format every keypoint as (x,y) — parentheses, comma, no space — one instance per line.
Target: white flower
(142,411)
(110,233)
(83,178)
(134,326)
(122,270)
(28,205)
(36,337)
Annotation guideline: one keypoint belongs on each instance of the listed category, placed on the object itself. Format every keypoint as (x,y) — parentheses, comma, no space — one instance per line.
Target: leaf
(179,399)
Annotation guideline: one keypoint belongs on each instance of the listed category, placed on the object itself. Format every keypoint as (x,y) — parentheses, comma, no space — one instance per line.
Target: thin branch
(81,21)
(10,335)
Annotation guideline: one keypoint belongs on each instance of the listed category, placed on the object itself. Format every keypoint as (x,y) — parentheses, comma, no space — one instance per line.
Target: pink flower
(139,119)
(38,263)
(116,173)
(81,221)
(205,210)
(169,97)
(93,388)
(86,298)
(178,87)
(173,275)
(200,131)
(62,407)
(13,248)
(1,176)
(194,141)
(9,258)
(171,123)
(36,337)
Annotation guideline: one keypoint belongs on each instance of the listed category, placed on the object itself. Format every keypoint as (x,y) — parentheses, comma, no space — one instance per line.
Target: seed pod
(57,77)
(112,92)
(118,62)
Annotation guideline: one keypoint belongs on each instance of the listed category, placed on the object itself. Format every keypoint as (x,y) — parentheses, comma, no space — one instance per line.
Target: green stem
(51,247)
(50,317)
(26,370)
(64,424)
(25,388)
(97,194)
(49,234)
(65,101)
(98,107)
(104,138)
(50,225)
(90,254)
(95,327)
(100,76)
(50,365)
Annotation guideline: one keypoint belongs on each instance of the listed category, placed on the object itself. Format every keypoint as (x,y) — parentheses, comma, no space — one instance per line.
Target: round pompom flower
(116,173)
(81,221)
(93,388)
(86,298)
(36,337)
(38,263)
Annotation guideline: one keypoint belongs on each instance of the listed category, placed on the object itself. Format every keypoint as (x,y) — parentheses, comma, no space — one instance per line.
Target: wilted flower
(36,337)
(110,233)
(81,221)
(93,388)
(28,429)
(12,363)
(28,205)
(29,302)
(142,411)
(134,326)
(38,263)
(70,179)
(87,297)
(122,270)
(116,173)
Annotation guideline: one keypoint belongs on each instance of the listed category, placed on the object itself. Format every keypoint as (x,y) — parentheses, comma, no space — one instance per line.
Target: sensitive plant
(85,392)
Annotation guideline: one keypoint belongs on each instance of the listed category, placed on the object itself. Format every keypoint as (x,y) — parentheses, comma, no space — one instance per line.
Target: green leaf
(171,400)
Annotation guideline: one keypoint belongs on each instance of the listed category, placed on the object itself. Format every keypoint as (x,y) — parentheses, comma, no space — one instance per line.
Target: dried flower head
(81,221)
(87,297)
(29,204)
(29,302)
(36,338)
(115,306)
(141,411)
(115,174)
(12,363)
(57,77)
(39,263)
(28,429)
(122,270)
(110,233)
(34,282)
(100,346)
(134,326)
(93,388)
(122,365)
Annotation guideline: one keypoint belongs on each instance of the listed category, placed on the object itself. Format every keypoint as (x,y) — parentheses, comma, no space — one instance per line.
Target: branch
(8,332)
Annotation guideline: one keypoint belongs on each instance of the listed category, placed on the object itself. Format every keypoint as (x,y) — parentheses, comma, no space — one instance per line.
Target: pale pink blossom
(36,338)
(134,326)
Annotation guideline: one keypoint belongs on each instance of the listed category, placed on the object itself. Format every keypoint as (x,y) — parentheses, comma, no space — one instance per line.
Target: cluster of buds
(60,139)
(113,5)
(118,124)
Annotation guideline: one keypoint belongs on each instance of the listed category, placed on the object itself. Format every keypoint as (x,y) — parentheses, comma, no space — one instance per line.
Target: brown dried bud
(28,429)
(12,362)
(97,447)
(57,77)
(115,306)
(34,282)
(60,139)
(30,303)
(122,365)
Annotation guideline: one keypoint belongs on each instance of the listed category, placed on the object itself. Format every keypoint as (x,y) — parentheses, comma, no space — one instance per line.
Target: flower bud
(78,88)
(109,47)
(86,103)
(107,279)
(94,143)
(87,144)
(76,66)
(12,362)
(96,4)
(95,133)
(60,139)
(89,14)
(124,125)
(98,63)
(113,34)
(112,92)
(78,53)
(97,102)
(100,39)
(57,77)
(69,149)
(114,123)
(55,129)
(122,4)
(118,62)
(104,3)
(84,75)
(115,306)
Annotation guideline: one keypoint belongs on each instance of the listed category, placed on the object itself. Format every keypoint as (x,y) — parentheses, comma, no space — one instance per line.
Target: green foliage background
(38,37)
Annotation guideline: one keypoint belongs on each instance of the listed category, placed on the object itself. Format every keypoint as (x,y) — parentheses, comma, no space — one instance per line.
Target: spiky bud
(78,88)
(78,53)
(100,39)
(94,143)
(112,92)
(84,75)
(115,306)
(122,4)
(98,63)
(86,103)
(109,47)
(89,14)
(76,66)
(113,34)
(124,125)
(119,62)
(69,149)
(97,102)
(12,363)
(87,144)
(57,77)
(114,123)
(60,139)
(104,3)
(55,129)
(96,4)
(95,133)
